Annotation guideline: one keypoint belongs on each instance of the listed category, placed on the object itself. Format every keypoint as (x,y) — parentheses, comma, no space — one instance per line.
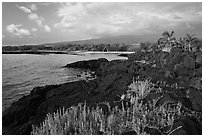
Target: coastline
(56,73)
(113,78)
(66,52)
(34,52)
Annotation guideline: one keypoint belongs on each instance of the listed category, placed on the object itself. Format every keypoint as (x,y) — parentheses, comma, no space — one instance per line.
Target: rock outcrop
(88,64)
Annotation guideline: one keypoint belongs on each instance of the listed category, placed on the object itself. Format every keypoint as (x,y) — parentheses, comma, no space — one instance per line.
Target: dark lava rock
(189,62)
(196,98)
(100,133)
(115,66)
(181,70)
(189,125)
(123,55)
(129,133)
(152,131)
(24,110)
(185,125)
(165,99)
(199,58)
(88,64)
(198,72)
(196,82)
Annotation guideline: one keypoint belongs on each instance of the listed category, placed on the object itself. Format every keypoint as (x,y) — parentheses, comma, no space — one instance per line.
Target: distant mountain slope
(126,39)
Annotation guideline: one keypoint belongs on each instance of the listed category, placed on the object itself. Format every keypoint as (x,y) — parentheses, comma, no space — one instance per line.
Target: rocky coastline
(113,77)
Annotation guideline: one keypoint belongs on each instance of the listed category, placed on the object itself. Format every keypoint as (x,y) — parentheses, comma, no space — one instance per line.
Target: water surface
(22,72)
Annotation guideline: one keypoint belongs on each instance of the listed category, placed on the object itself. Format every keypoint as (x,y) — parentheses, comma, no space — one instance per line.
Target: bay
(22,72)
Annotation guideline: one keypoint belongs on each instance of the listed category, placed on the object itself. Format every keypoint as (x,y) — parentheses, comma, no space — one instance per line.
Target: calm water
(21,73)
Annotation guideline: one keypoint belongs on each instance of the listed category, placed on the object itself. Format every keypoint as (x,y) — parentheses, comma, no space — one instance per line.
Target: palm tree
(191,41)
(199,45)
(182,43)
(167,41)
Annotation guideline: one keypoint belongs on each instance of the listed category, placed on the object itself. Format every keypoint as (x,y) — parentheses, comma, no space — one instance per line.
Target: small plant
(140,88)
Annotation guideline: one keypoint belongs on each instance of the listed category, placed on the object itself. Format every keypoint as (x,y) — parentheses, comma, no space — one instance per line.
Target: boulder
(173,60)
(188,62)
(184,81)
(199,58)
(165,99)
(152,131)
(195,97)
(186,125)
(196,82)
(178,69)
(198,72)
(119,66)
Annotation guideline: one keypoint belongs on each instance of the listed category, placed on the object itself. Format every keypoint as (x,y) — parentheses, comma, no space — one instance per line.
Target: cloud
(34,17)
(16,30)
(110,19)
(47,28)
(33,7)
(24,9)
(33,29)
(70,14)
(37,19)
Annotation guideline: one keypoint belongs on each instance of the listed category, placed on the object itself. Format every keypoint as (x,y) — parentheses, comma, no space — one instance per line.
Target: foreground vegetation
(136,117)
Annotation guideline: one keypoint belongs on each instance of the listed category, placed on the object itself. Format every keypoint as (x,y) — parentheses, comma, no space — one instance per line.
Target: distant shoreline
(68,52)
(34,52)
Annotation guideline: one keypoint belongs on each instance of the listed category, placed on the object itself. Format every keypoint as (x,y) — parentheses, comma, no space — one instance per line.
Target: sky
(37,22)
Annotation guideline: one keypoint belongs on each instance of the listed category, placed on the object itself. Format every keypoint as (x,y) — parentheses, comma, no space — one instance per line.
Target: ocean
(22,72)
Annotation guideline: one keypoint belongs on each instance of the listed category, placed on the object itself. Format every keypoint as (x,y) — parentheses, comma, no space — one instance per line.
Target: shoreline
(67,52)
(34,52)
(86,75)
(113,78)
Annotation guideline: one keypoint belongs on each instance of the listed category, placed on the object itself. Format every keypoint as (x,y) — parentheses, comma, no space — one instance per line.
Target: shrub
(83,120)
(140,88)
